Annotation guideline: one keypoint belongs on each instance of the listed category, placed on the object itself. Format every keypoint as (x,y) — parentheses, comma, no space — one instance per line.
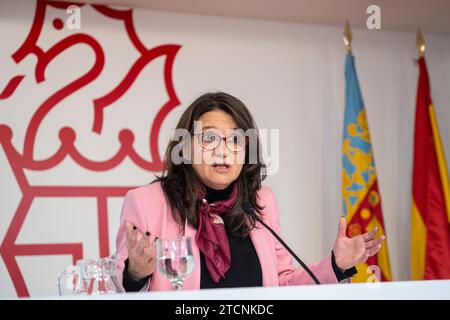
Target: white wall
(291,76)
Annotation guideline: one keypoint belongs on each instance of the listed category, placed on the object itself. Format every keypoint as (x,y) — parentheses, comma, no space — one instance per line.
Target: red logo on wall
(26,160)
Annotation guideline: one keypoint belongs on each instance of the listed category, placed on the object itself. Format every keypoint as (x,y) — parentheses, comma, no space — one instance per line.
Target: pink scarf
(211,236)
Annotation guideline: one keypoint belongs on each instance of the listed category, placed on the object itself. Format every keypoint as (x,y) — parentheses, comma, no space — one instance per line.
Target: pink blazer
(147,208)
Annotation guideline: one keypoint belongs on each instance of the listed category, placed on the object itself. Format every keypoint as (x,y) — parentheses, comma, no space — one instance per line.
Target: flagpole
(420,43)
(347,37)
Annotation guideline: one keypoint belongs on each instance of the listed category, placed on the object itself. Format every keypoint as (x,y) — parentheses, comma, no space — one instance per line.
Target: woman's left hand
(348,252)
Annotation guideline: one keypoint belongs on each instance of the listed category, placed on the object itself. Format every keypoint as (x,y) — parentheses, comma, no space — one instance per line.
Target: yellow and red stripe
(430,208)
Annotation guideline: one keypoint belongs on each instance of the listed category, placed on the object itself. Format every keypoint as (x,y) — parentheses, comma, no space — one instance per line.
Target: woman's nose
(221,150)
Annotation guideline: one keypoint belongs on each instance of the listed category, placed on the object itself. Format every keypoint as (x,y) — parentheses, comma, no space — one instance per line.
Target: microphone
(248,209)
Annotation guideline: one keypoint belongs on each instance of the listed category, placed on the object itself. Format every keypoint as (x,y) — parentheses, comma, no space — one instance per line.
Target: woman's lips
(221,167)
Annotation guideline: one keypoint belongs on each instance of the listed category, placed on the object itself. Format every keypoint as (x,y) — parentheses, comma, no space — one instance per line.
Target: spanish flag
(430,208)
(361,196)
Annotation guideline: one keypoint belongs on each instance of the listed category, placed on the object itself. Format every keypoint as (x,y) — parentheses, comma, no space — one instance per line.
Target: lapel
(263,249)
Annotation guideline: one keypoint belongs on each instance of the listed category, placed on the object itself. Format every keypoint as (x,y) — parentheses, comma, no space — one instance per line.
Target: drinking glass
(175,260)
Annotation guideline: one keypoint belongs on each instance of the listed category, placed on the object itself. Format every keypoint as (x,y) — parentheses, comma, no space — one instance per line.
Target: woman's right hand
(141,254)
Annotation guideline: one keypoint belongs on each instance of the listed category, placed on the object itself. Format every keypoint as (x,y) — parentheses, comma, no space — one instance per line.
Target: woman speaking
(204,195)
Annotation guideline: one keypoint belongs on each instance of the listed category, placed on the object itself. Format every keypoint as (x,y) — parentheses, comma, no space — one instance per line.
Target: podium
(398,290)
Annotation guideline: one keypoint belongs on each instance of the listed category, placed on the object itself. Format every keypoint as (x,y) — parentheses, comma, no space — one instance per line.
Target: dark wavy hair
(180,183)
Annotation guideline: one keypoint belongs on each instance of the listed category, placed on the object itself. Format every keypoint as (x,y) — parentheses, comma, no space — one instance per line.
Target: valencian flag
(430,207)
(361,196)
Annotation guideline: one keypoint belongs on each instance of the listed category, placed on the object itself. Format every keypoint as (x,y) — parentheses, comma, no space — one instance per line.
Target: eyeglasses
(210,140)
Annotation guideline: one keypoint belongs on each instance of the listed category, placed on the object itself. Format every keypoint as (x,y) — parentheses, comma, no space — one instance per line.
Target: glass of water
(68,281)
(175,260)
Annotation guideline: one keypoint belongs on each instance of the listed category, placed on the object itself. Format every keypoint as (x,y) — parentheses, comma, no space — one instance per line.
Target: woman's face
(218,164)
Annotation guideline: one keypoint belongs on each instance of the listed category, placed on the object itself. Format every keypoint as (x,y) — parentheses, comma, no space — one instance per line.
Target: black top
(245,269)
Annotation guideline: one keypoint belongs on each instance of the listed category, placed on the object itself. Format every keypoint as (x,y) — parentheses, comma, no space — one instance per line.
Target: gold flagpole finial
(348,37)
(420,43)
